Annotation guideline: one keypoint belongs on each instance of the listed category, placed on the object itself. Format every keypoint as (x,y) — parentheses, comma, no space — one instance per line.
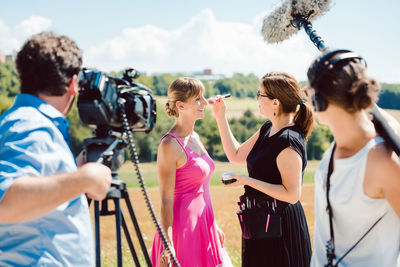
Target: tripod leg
(125,195)
(97,232)
(130,243)
(118,231)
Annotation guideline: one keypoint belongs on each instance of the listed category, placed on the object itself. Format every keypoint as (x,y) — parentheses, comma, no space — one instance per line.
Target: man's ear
(73,86)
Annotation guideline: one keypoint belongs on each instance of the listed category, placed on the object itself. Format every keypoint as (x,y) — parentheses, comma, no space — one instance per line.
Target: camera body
(103,98)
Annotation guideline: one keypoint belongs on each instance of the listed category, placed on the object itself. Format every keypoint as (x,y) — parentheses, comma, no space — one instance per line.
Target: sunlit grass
(224,204)
(127,172)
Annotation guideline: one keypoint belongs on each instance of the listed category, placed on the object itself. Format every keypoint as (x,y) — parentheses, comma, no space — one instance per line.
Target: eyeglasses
(261,95)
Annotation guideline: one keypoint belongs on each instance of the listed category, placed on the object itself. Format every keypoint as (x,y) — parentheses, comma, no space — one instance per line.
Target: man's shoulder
(23,116)
(22,121)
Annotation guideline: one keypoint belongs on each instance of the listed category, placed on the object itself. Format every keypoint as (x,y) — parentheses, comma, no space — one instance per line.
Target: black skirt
(293,249)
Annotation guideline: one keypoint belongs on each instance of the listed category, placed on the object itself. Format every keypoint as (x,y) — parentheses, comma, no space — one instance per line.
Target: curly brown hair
(46,64)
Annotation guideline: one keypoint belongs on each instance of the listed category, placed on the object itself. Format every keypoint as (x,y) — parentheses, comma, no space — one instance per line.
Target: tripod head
(106,148)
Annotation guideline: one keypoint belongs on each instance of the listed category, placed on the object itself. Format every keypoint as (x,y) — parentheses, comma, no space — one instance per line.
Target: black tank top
(261,161)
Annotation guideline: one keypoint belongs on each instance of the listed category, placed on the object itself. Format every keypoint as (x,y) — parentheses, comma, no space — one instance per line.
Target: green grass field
(127,172)
(224,205)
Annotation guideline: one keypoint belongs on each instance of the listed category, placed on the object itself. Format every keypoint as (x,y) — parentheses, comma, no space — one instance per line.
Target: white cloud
(8,43)
(32,25)
(203,42)
(11,39)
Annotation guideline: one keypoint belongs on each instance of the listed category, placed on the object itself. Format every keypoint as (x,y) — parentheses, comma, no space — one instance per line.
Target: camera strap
(330,246)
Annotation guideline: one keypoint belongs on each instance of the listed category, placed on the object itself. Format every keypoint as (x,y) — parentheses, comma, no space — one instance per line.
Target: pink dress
(194,230)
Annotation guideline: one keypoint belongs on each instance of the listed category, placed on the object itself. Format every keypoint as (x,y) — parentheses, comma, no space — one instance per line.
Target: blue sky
(186,36)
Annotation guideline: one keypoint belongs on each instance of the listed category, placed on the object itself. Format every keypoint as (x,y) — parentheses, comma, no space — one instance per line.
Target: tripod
(108,150)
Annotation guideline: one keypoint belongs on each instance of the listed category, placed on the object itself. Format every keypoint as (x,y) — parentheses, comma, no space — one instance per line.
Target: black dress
(293,249)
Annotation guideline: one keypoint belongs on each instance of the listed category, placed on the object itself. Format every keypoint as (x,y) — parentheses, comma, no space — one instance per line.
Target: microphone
(214,99)
(289,16)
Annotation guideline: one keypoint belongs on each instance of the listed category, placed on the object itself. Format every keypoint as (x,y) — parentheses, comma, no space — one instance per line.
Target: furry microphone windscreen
(278,24)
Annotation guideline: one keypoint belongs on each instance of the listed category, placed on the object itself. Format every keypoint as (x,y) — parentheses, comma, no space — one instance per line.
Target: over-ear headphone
(321,66)
(319,102)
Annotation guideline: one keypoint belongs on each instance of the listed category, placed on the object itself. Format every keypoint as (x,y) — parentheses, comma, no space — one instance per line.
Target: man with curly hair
(44,215)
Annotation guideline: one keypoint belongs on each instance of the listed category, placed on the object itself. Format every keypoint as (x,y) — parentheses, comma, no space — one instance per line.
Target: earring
(274,114)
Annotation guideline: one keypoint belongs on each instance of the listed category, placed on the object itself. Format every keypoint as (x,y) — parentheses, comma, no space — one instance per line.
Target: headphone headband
(329,60)
(321,66)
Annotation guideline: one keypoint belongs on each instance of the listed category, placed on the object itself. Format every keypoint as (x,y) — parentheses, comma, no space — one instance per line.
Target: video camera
(103,98)
(117,106)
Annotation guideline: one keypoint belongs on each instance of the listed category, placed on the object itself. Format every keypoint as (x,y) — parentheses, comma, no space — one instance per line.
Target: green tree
(146,148)
(9,82)
(209,89)
(9,85)
(78,130)
(238,85)
(389,96)
(225,86)
(242,129)
(208,131)
(148,81)
(5,103)
(147,143)
(161,83)
(319,140)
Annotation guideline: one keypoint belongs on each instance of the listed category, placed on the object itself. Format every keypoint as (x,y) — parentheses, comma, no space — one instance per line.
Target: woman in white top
(364,186)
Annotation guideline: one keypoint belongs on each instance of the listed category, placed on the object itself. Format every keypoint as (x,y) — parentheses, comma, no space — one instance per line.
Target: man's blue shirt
(34,141)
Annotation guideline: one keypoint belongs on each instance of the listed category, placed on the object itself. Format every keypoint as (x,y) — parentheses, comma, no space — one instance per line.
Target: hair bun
(170,112)
(365,93)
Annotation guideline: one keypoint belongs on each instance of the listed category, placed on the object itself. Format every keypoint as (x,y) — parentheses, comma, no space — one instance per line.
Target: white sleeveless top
(353,214)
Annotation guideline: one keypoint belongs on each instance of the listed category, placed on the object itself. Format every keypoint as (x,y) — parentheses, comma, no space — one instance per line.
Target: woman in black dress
(276,159)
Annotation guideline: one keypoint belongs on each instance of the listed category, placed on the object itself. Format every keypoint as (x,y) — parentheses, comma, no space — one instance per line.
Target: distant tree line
(238,85)
(389,98)
(9,84)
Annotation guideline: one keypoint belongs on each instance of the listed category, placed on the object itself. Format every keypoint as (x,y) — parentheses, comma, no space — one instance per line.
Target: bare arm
(32,197)
(168,154)
(290,167)
(235,152)
(382,179)
(391,185)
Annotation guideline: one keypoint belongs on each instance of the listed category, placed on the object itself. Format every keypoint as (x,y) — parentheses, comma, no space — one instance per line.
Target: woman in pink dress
(184,172)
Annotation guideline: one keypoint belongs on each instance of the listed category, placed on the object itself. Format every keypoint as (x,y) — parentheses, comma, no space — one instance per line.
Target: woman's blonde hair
(181,89)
